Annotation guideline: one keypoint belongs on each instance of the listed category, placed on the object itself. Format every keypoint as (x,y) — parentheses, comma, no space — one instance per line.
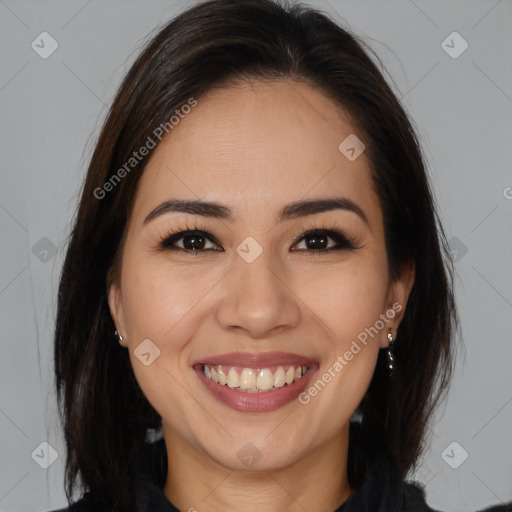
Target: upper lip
(257,359)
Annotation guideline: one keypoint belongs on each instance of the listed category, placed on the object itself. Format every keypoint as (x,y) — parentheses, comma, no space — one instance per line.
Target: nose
(257,299)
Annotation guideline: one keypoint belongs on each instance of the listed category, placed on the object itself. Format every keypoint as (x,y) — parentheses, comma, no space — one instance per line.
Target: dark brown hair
(212,44)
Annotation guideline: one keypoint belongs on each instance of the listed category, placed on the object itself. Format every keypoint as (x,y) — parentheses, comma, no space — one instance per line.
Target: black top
(382,491)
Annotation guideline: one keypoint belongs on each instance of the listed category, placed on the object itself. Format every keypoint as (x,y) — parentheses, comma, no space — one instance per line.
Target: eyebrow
(290,211)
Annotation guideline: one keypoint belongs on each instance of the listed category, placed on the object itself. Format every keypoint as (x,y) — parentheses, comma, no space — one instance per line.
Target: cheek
(156,298)
(350,303)
(157,303)
(348,299)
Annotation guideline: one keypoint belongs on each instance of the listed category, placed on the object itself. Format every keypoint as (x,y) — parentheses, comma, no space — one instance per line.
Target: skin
(255,147)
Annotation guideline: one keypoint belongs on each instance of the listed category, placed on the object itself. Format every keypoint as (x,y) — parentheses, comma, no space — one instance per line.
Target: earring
(390,353)
(120,338)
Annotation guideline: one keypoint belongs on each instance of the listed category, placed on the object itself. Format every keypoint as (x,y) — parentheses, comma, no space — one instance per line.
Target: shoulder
(505,507)
(413,498)
(85,504)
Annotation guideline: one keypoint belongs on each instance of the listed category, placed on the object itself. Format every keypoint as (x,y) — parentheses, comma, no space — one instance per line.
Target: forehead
(253,145)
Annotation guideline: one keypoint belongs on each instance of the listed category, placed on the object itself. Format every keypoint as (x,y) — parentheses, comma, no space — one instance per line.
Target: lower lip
(255,402)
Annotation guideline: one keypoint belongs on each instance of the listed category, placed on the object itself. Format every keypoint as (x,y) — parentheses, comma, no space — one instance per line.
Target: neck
(316,482)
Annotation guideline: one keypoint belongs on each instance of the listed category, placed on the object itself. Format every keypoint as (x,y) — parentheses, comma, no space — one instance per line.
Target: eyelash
(170,238)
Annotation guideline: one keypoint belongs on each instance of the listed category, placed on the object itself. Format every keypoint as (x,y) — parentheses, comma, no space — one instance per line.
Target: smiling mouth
(254,380)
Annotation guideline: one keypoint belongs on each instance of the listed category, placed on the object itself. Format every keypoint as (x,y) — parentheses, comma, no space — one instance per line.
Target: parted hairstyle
(216,43)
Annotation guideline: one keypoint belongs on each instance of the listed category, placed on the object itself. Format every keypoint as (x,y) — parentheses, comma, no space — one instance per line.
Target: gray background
(52,110)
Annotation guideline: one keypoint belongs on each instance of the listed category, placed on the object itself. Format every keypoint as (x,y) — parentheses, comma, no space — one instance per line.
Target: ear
(398,295)
(116,306)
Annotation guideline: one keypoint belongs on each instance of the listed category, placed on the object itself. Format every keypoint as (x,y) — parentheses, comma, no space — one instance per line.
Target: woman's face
(254,292)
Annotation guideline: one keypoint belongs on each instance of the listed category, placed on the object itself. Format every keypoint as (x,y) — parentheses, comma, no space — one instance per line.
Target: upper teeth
(254,380)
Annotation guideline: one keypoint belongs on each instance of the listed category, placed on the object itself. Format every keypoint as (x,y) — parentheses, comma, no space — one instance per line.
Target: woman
(257,272)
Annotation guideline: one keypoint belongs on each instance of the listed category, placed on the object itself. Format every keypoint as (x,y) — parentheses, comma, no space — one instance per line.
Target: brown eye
(321,241)
(194,241)
(316,241)
(190,241)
